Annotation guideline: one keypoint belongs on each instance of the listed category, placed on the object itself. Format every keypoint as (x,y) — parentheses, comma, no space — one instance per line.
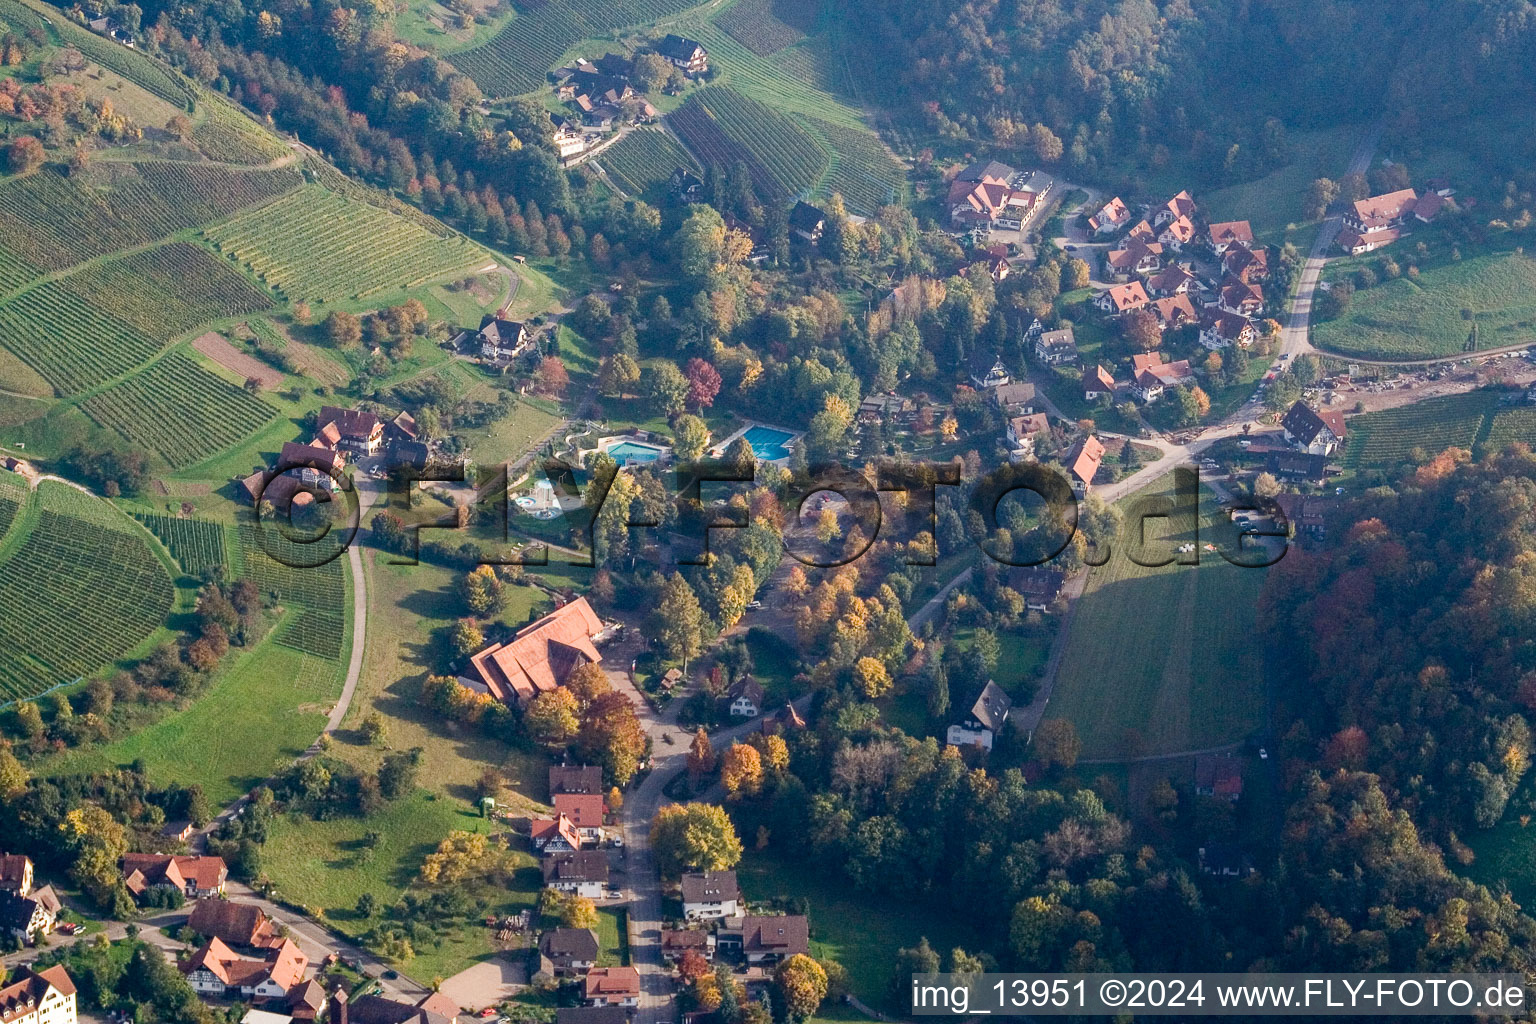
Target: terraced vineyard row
(320,592)
(643,159)
(198,544)
(722,127)
(1391,435)
(516,60)
(318,245)
(168,290)
(73,598)
(52,222)
(862,171)
(180,411)
(753,24)
(73,345)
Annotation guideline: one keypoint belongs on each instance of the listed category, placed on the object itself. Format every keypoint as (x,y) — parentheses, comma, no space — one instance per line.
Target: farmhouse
(1383,211)
(1112,216)
(1054,348)
(1317,433)
(217,970)
(1015,398)
(1122,298)
(566,951)
(1082,464)
(15,873)
(583,872)
(765,940)
(29,916)
(195,876)
(1298,466)
(1225,234)
(988,201)
(1219,329)
(401,428)
(988,371)
(612,986)
(1097,383)
(352,429)
(236,924)
(38,997)
(554,835)
(745,697)
(686,55)
(708,894)
(986,718)
(574,779)
(1357,243)
(1428,207)
(1219,775)
(585,811)
(542,655)
(1039,586)
(806,222)
(499,339)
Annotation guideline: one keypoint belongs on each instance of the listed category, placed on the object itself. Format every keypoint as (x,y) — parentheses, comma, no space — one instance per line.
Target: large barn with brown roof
(542,655)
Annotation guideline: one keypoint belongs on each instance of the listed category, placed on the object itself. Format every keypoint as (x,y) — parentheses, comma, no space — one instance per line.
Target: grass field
(1274,202)
(77,592)
(1433,315)
(265,707)
(1163,660)
(322,246)
(859,930)
(1390,436)
(612,937)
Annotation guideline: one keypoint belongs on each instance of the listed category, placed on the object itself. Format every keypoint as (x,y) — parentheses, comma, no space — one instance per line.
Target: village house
(1177,233)
(807,222)
(583,872)
(574,779)
(612,986)
(1219,776)
(1298,466)
(1174,312)
(985,720)
(1219,329)
(786,719)
(677,941)
(1391,210)
(1112,216)
(891,407)
(1122,298)
(764,940)
(569,139)
(1171,280)
(26,917)
(1153,376)
(685,186)
(1016,398)
(1082,463)
(1180,206)
(500,340)
(745,698)
(432,1008)
(685,54)
(1241,298)
(1136,258)
(1224,235)
(1040,587)
(567,951)
(585,811)
(353,429)
(1056,348)
(1317,433)
(1305,516)
(1250,266)
(1359,243)
(710,894)
(232,922)
(195,876)
(1142,232)
(1098,383)
(15,873)
(38,997)
(554,835)
(988,371)
(542,654)
(1428,207)
(981,196)
(217,970)
(1022,431)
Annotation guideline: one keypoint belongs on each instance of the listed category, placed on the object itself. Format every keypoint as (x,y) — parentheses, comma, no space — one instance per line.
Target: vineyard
(863,171)
(81,347)
(753,24)
(722,127)
(318,245)
(50,222)
(320,592)
(10,504)
(228,136)
(198,544)
(143,71)
(1509,426)
(179,410)
(794,79)
(1390,436)
(167,291)
(643,159)
(516,60)
(75,597)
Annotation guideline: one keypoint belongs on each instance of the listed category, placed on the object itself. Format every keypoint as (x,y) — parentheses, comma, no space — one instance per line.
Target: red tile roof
(584,809)
(613,983)
(1230,231)
(542,654)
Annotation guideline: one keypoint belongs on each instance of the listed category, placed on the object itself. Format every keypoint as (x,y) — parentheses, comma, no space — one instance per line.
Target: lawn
(262,711)
(1164,659)
(1506,854)
(773,665)
(1273,204)
(612,937)
(861,931)
(1433,315)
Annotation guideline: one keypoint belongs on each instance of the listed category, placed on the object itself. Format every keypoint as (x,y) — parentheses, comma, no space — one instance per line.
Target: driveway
(487,983)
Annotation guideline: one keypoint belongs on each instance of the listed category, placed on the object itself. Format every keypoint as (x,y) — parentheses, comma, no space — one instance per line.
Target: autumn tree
(703,383)
(874,681)
(551,717)
(701,756)
(1140,330)
(551,377)
(773,749)
(802,983)
(1056,743)
(13,774)
(666,386)
(694,837)
(467,638)
(482,590)
(690,438)
(681,619)
(578,912)
(741,771)
(464,856)
(25,155)
(619,375)
(611,735)
(343,329)
(98,842)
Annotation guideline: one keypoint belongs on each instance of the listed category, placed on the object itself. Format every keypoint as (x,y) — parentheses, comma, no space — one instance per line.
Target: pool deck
(793,437)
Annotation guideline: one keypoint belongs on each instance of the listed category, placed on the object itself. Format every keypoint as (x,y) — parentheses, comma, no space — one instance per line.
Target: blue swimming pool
(767,443)
(626,453)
